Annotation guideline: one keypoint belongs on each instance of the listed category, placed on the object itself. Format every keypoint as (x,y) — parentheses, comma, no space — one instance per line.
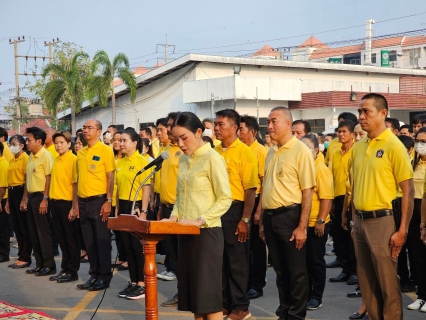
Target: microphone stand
(157,168)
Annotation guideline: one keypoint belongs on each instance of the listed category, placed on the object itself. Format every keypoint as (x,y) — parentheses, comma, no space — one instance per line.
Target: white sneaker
(162,274)
(169,276)
(416,305)
(423,308)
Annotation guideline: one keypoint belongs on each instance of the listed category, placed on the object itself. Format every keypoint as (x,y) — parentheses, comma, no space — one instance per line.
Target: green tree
(104,71)
(66,85)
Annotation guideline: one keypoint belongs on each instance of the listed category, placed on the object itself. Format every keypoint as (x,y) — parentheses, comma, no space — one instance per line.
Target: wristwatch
(351,223)
(320,221)
(109,200)
(246,220)
(45,198)
(144,211)
(202,220)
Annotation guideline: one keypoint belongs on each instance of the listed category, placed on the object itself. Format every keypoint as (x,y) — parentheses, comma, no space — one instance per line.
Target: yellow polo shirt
(127,167)
(91,168)
(339,166)
(378,166)
(242,168)
(320,157)
(16,170)
(217,142)
(38,167)
(169,172)
(335,145)
(4,166)
(155,147)
(158,174)
(419,179)
(7,154)
(288,170)
(260,153)
(322,190)
(62,177)
(53,151)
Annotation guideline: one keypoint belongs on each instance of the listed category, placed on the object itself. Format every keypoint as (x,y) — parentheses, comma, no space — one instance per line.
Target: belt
(168,205)
(36,193)
(13,187)
(91,198)
(273,212)
(364,215)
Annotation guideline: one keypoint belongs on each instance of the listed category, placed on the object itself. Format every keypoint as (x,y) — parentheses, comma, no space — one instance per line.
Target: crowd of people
(275,201)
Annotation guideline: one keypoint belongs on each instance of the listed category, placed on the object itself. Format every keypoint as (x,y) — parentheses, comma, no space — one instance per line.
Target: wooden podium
(150,232)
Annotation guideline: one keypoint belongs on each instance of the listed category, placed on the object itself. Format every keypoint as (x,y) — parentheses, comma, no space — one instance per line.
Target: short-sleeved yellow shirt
(62,177)
(53,151)
(169,173)
(155,147)
(260,153)
(322,190)
(158,174)
(7,153)
(320,157)
(378,165)
(16,171)
(91,168)
(127,167)
(4,166)
(242,168)
(419,179)
(288,170)
(38,167)
(335,145)
(339,166)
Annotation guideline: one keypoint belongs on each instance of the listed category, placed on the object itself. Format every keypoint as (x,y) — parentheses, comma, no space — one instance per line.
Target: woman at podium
(203,196)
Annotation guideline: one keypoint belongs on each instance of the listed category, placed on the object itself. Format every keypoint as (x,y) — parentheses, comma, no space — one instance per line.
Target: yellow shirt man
(7,153)
(339,166)
(242,168)
(4,166)
(169,172)
(38,167)
(335,145)
(91,167)
(378,166)
(322,190)
(288,170)
(16,170)
(52,151)
(260,153)
(62,177)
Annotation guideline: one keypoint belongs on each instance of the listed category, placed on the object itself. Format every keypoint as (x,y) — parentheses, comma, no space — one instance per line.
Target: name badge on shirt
(380,153)
(96,158)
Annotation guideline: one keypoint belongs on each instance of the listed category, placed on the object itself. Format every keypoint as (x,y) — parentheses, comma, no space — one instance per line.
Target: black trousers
(118,242)
(68,236)
(20,223)
(315,251)
(4,232)
(41,239)
(289,263)
(236,261)
(171,246)
(342,239)
(55,241)
(258,265)
(417,250)
(133,247)
(97,238)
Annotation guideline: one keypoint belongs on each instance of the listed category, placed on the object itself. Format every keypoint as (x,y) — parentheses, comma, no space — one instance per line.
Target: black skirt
(200,271)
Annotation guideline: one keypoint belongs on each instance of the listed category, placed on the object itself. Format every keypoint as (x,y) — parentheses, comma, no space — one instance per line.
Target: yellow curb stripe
(73,314)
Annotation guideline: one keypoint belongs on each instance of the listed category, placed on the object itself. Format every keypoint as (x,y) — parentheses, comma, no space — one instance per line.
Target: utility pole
(257,104)
(17,98)
(166,49)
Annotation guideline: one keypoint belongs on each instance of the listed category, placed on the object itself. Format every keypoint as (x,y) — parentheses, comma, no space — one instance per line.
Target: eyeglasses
(420,141)
(89,128)
(78,143)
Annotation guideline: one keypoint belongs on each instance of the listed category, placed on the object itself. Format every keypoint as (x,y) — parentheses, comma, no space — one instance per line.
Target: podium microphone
(159,160)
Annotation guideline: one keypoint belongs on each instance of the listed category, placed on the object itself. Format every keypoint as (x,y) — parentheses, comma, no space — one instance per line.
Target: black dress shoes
(355,294)
(33,270)
(253,294)
(46,272)
(68,277)
(342,277)
(17,266)
(99,285)
(86,285)
(357,315)
(333,264)
(55,277)
(4,259)
(353,279)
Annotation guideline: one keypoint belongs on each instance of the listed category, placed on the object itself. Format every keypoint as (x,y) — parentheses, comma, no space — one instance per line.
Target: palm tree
(66,85)
(102,83)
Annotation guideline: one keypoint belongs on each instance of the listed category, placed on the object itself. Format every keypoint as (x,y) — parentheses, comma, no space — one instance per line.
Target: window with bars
(317,125)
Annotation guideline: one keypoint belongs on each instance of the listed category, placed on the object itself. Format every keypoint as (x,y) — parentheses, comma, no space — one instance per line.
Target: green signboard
(335,60)
(385,58)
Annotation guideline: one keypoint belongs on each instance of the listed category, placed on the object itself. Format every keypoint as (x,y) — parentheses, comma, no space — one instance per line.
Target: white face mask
(208,133)
(14,149)
(108,136)
(321,147)
(420,148)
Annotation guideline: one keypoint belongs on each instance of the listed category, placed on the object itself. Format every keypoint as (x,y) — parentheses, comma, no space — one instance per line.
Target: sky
(219,27)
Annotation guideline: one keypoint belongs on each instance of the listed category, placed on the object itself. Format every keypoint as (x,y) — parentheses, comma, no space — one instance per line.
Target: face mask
(108,136)
(326,144)
(321,147)
(14,149)
(420,148)
(208,133)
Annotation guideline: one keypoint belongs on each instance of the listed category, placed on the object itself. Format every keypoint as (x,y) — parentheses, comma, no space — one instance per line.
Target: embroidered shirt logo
(380,153)
(280,174)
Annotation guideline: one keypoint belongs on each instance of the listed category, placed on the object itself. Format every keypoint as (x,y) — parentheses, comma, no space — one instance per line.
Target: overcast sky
(135,27)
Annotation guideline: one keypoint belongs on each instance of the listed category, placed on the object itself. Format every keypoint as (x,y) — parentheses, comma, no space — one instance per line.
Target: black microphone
(159,160)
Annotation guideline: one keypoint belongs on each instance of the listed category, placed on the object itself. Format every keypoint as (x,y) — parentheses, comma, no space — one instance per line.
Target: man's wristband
(109,200)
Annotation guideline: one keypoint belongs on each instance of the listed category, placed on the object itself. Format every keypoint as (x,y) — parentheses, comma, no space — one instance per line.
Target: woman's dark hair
(147,143)
(312,138)
(113,150)
(134,136)
(209,140)
(20,139)
(417,156)
(188,120)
